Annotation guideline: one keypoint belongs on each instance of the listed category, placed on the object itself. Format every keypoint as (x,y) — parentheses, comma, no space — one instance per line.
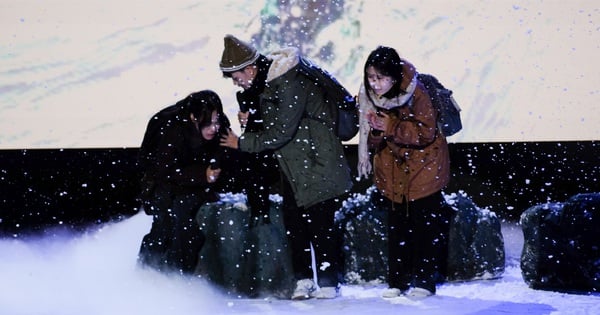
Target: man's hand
(230,140)
(243,119)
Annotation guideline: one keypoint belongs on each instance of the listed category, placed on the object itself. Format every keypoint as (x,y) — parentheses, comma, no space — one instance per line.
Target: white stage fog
(96,274)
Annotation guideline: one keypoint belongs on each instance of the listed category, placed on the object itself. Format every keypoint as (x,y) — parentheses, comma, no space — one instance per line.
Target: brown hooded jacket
(411,157)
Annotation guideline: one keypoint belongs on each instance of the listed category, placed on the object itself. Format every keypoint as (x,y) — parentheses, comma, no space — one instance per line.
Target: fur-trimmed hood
(408,84)
(283,61)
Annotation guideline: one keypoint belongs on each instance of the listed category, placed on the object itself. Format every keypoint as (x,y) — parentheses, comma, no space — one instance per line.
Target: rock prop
(244,261)
(561,251)
(476,246)
(255,262)
(365,239)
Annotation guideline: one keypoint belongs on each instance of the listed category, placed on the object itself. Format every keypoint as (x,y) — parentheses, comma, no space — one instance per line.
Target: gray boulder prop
(365,239)
(476,245)
(244,261)
(561,251)
(255,262)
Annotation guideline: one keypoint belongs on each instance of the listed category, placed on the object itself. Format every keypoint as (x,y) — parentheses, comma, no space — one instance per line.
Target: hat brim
(241,66)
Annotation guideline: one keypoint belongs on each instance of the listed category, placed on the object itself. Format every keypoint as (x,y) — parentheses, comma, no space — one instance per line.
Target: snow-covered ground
(95,274)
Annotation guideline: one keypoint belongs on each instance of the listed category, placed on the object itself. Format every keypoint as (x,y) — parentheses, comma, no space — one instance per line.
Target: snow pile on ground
(96,274)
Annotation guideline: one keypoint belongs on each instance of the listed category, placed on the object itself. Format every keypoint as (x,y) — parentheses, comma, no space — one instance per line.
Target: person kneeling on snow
(180,157)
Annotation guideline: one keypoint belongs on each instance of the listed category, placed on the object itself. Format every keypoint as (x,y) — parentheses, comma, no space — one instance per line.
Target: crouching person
(179,157)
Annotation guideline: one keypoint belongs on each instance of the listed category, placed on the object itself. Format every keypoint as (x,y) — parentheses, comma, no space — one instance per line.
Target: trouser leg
(187,238)
(446,216)
(259,171)
(154,244)
(326,239)
(400,264)
(257,193)
(425,220)
(297,233)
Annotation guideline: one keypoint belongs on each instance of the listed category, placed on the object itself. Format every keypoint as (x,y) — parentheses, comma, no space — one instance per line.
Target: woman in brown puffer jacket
(411,166)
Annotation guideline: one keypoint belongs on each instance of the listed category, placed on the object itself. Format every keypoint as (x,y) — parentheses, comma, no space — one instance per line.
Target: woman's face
(210,131)
(379,83)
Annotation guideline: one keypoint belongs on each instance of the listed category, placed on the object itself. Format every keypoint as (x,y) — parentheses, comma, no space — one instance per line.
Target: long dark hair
(387,62)
(202,104)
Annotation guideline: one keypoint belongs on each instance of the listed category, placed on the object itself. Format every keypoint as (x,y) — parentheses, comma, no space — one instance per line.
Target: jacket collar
(408,84)
(283,61)
(397,101)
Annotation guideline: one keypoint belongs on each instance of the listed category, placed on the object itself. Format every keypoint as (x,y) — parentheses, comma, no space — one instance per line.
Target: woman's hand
(212,174)
(364,167)
(230,140)
(378,121)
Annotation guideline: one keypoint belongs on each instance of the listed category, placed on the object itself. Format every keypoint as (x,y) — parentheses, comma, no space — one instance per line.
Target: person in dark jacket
(258,171)
(180,157)
(298,126)
(411,166)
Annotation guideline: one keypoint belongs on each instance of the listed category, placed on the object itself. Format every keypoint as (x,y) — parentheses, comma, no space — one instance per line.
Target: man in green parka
(298,126)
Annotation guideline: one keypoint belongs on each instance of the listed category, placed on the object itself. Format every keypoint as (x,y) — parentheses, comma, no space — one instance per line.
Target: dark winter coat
(174,156)
(308,152)
(412,158)
(249,99)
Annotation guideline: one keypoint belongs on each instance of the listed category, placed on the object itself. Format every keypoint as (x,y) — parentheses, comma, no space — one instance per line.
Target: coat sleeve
(283,109)
(364,166)
(171,165)
(418,127)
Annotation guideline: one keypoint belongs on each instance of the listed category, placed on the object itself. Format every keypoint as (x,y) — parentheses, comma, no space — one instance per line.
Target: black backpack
(448,110)
(346,120)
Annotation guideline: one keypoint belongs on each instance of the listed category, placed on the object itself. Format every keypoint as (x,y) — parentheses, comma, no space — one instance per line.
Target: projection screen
(87,74)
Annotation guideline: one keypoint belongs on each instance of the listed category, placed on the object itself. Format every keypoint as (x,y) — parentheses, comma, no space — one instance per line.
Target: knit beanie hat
(237,55)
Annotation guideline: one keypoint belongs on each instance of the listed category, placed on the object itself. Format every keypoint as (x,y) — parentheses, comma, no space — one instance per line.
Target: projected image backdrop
(85,74)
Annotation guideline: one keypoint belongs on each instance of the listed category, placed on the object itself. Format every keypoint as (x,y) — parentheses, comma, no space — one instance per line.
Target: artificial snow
(95,273)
